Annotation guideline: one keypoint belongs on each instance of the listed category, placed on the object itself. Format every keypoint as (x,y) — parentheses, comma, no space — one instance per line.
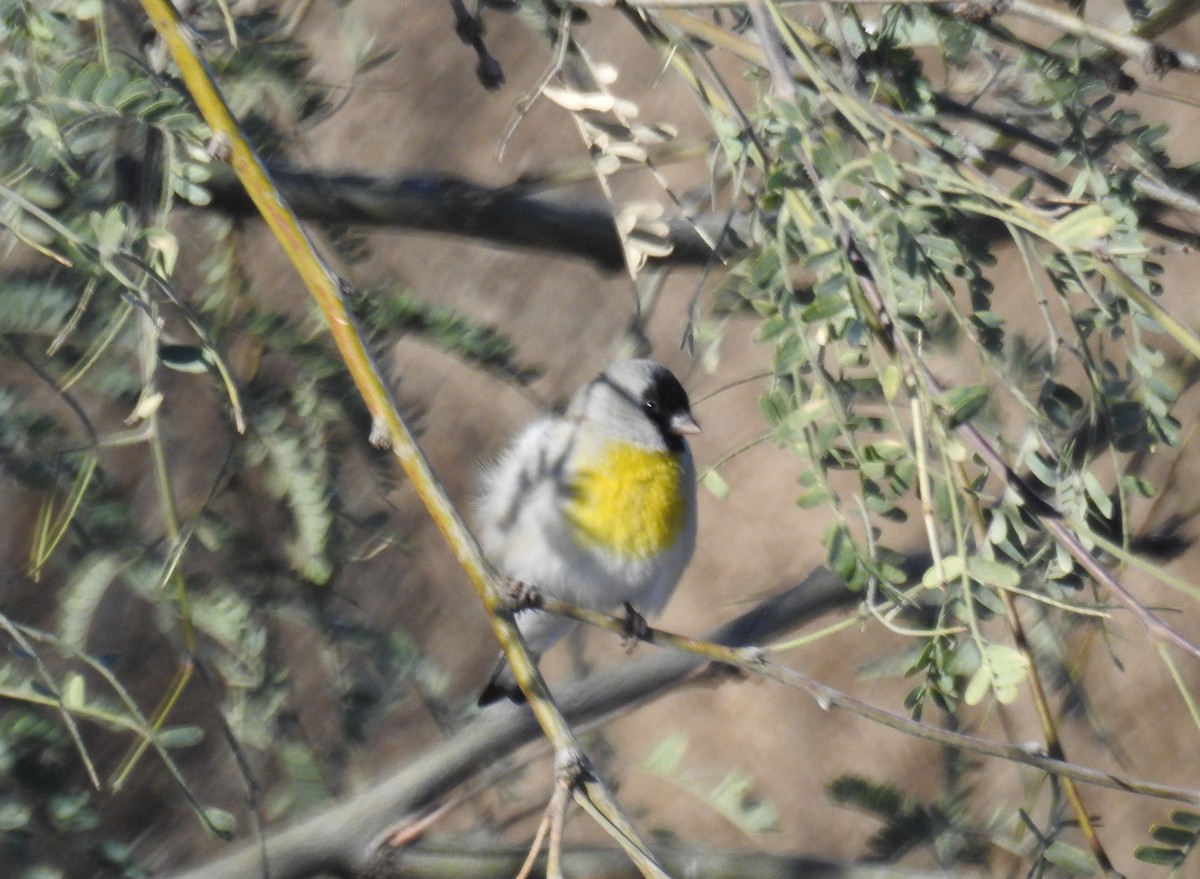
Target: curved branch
(507,216)
(755,661)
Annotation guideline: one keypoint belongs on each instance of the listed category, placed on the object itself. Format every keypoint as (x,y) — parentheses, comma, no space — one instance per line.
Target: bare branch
(755,661)
(507,216)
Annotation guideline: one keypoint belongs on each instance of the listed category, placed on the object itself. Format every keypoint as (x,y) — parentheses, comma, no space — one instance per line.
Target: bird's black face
(665,402)
(652,390)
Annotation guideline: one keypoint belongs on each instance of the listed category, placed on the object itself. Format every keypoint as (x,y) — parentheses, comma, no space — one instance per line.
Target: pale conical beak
(683,423)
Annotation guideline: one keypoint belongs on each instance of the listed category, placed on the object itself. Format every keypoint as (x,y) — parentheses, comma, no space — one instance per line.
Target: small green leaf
(1081,227)
(180,736)
(964,403)
(885,169)
(1169,835)
(219,821)
(191,192)
(136,93)
(992,573)
(827,306)
(1021,191)
(74,691)
(890,381)
(114,81)
(1006,694)
(774,407)
(966,659)
(167,245)
(716,484)
(667,755)
(1187,819)
(1002,670)
(88,10)
(43,193)
(813,497)
(377,60)
(1009,665)
(1097,494)
(951,569)
(71,812)
(1070,858)
(980,683)
(1154,854)
(819,261)
(734,799)
(1060,403)
(14,814)
(109,230)
(988,600)
(841,553)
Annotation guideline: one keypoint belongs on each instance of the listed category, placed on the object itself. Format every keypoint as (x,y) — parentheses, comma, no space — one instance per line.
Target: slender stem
(1054,745)
(755,660)
(55,700)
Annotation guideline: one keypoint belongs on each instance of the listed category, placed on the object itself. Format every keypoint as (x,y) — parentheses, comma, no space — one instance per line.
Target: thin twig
(48,682)
(536,846)
(755,660)
(1054,746)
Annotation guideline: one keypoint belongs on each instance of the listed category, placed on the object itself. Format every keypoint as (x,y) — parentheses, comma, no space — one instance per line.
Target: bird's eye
(651,405)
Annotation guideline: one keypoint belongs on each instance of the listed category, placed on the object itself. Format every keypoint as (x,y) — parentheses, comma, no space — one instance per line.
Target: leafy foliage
(909,824)
(732,796)
(115,297)
(39,794)
(876,234)
(386,310)
(1175,841)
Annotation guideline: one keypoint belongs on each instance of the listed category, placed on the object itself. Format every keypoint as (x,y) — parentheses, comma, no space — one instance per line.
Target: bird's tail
(501,685)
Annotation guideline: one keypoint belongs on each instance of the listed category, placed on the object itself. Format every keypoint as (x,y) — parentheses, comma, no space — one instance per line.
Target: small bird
(595,506)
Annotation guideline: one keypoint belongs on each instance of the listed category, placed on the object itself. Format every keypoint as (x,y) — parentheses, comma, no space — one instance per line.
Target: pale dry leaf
(650,245)
(579,101)
(606,74)
(607,165)
(626,150)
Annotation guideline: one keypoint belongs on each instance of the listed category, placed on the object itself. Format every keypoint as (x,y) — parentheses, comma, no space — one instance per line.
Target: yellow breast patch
(630,502)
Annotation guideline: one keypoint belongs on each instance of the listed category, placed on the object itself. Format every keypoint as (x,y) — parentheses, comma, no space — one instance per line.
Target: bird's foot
(636,628)
(523,596)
